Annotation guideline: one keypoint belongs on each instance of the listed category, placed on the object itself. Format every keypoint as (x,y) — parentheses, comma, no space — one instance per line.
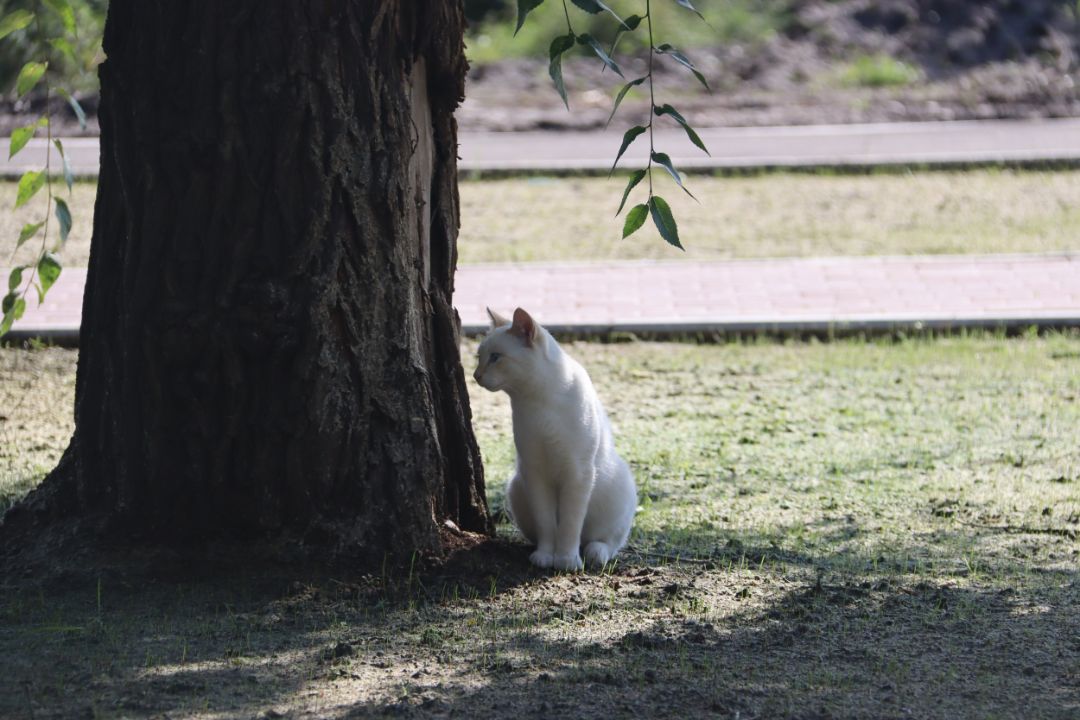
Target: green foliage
(69,175)
(29,184)
(494,33)
(29,76)
(664,220)
(622,94)
(29,230)
(524,8)
(590,41)
(677,56)
(66,34)
(628,137)
(690,132)
(635,219)
(21,136)
(15,21)
(48,28)
(75,106)
(48,271)
(63,216)
(635,178)
(877,71)
(654,206)
(559,46)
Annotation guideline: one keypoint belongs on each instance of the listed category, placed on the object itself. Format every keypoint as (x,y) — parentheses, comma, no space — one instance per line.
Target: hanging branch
(654,206)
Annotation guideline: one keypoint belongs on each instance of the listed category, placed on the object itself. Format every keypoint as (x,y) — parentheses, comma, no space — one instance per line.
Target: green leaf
(663,159)
(29,184)
(590,41)
(559,45)
(664,220)
(62,46)
(28,231)
(67,15)
(75,106)
(589,6)
(15,278)
(635,218)
(13,307)
(48,269)
(29,76)
(667,49)
(634,180)
(21,136)
(15,20)
(69,176)
(621,95)
(629,24)
(686,4)
(524,8)
(628,137)
(595,6)
(63,216)
(666,109)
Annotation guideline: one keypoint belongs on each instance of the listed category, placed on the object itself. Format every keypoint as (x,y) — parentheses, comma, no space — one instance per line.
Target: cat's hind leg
(597,554)
(519,509)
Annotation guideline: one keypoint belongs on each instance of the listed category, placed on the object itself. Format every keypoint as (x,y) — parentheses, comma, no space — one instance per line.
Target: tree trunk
(268,342)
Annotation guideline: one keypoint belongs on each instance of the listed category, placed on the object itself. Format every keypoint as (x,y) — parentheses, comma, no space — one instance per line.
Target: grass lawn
(863,530)
(772,215)
(778,215)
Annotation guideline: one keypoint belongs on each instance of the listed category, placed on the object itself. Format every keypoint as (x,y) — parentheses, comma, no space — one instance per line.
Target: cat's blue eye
(493,357)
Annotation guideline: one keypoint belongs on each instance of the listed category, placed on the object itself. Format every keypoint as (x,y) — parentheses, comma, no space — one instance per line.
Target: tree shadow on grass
(145,633)
(818,652)
(754,629)
(751,631)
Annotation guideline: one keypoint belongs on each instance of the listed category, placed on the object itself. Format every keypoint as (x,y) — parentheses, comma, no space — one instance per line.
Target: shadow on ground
(751,631)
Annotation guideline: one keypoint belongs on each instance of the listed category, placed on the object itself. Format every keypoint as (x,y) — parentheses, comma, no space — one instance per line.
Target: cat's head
(510,353)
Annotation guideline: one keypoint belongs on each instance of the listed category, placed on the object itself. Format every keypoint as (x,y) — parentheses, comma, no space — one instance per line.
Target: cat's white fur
(571,489)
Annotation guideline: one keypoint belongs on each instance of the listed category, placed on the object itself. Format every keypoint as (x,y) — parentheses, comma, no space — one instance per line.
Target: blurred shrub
(22,46)
(876,71)
(491,33)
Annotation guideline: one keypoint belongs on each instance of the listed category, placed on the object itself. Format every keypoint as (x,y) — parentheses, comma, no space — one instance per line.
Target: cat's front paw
(568,563)
(542,559)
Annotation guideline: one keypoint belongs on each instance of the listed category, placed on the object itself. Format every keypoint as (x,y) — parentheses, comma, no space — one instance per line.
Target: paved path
(750,295)
(931,143)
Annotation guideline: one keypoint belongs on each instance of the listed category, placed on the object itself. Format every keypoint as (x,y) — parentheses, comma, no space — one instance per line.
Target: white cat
(571,488)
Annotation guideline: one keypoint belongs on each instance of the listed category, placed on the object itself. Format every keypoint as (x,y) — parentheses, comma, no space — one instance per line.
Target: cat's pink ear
(524,327)
(497,320)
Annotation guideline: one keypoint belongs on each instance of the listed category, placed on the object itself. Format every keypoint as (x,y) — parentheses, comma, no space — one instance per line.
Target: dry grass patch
(778,215)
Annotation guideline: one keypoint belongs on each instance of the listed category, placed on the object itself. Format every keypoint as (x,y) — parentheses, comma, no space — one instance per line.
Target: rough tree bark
(268,342)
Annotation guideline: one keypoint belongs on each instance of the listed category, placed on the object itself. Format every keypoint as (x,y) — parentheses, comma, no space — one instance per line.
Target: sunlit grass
(778,215)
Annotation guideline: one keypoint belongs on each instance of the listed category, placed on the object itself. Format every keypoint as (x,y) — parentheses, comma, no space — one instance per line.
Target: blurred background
(769,62)
(779,62)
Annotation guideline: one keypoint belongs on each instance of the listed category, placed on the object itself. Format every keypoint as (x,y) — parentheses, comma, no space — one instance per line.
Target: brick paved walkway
(747,295)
